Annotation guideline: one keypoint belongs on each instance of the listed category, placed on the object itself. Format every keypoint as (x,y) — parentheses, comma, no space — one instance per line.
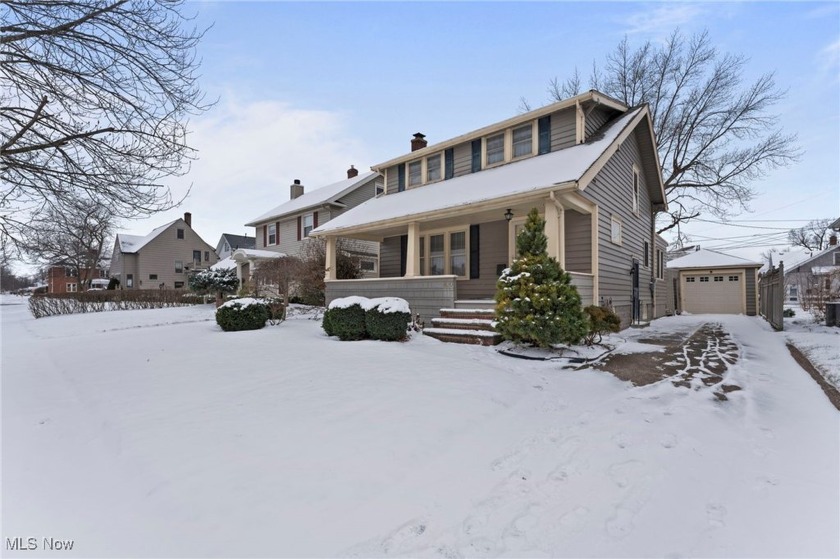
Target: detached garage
(709,282)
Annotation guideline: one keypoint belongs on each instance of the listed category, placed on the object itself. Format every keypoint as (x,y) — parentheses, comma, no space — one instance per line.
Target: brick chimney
(352,172)
(832,241)
(188,219)
(296,189)
(418,142)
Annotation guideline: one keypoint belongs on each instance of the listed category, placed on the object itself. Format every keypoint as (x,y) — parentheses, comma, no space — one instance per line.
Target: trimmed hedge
(357,318)
(386,326)
(242,314)
(51,304)
(348,323)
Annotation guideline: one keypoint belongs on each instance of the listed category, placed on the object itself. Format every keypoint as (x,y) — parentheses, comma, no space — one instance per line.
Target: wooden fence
(771,296)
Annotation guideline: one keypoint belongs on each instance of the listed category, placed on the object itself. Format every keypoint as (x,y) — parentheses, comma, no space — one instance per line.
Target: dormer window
(415,173)
(495,150)
(433,168)
(523,143)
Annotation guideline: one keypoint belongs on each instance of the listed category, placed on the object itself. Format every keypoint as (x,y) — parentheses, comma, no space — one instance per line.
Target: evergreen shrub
(602,320)
(242,314)
(387,319)
(346,322)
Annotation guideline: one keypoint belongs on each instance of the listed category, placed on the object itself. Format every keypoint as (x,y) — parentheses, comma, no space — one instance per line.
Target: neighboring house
(816,278)
(65,279)
(707,281)
(229,243)
(451,211)
(286,228)
(163,259)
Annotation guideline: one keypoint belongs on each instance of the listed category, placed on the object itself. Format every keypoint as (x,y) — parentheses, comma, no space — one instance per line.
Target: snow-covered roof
(326,194)
(532,175)
(251,253)
(133,243)
(225,264)
(825,270)
(705,258)
(803,257)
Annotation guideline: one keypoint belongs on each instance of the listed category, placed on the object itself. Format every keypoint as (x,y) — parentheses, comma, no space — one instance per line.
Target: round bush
(348,323)
(387,319)
(326,323)
(242,314)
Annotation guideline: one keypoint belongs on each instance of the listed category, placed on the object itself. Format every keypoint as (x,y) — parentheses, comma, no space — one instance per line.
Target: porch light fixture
(508,214)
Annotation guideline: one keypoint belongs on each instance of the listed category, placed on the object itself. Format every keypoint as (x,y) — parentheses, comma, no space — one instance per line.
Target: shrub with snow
(242,314)
(535,300)
(356,318)
(602,320)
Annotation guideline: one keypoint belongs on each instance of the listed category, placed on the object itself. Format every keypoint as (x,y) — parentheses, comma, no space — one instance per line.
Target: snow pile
(225,264)
(819,343)
(386,305)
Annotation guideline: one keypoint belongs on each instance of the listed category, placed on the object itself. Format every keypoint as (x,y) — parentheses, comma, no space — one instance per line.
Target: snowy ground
(820,343)
(153,433)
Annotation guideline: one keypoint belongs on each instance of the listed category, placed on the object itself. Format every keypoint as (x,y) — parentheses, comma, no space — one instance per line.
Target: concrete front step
(463,324)
(485,314)
(458,336)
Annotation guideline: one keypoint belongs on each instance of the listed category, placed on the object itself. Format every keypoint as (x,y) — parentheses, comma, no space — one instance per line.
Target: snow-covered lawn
(820,343)
(154,433)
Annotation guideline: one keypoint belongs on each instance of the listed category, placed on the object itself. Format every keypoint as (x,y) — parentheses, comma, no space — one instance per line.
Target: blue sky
(305,90)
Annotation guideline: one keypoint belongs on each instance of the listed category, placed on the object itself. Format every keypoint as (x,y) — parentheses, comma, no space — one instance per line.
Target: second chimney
(418,142)
(296,189)
(352,172)
(188,219)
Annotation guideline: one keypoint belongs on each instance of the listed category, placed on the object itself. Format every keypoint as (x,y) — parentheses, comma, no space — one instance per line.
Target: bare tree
(278,275)
(94,102)
(813,236)
(715,132)
(75,236)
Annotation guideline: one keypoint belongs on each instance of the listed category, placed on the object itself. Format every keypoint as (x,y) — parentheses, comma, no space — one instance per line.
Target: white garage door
(713,293)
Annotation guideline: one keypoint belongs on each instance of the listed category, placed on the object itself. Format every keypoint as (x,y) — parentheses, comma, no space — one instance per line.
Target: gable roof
(798,263)
(133,243)
(705,258)
(329,194)
(534,175)
(240,241)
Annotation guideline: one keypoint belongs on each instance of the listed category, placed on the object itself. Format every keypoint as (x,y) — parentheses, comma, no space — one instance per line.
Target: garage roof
(705,258)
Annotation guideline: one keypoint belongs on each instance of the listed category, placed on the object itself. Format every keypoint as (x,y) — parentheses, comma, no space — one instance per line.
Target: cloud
(662,19)
(248,154)
(828,59)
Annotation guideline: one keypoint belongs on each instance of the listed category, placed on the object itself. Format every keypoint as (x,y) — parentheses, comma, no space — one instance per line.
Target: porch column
(412,254)
(554,231)
(330,265)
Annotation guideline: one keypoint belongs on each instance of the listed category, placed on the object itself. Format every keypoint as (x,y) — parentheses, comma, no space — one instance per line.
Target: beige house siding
(578,231)
(492,252)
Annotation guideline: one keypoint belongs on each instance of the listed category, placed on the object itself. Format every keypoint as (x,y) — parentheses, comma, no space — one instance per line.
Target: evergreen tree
(535,300)
(218,281)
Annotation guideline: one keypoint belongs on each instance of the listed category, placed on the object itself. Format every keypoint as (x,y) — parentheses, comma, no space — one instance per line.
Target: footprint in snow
(669,440)
(620,439)
(715,514)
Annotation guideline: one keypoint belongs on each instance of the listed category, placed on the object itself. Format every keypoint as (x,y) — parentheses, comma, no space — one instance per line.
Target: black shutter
(403,253)
(401,178)
(544,135)
(449,163)
(475,264)
(476,156)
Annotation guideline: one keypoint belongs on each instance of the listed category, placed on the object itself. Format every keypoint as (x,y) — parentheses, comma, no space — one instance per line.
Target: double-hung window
(636,193)
(415,173)
(197,257)
(437,255)
(272,234)
(495,147)
(308,224)
(615,230)
(458,253)
(179,266)
(523,141)
(433,168)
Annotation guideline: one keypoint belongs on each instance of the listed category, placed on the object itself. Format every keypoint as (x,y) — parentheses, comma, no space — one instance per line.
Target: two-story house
(815,279)
(163,259)
(450,212)
(66,278)
(286,228)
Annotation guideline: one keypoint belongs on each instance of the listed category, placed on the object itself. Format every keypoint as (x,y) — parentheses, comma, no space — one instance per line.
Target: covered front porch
(457,255)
